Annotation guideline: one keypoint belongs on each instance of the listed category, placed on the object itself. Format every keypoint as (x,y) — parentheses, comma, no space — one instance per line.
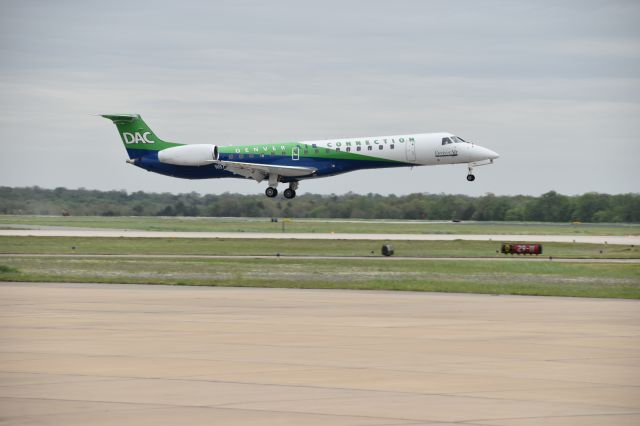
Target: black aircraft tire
(471,177)
(289,193)
(271,192)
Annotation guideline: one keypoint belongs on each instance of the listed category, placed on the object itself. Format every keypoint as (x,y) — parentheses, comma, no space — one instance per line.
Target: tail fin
(136,135)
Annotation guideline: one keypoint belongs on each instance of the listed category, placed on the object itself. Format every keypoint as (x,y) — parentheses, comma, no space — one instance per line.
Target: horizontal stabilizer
(121,117)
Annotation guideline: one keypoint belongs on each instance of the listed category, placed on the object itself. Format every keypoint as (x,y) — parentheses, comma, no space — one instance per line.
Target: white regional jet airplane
(291,162)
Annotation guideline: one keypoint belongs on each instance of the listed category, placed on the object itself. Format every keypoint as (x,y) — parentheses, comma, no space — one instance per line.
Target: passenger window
(369,148)
(241,156)
(317,151)
(348,149)
(391,146)
(380,147)
(358,148)
(337,149)
(230,156)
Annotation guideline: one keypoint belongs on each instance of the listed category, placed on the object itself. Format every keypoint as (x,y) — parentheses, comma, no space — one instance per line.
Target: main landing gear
(288,193)
(271,192)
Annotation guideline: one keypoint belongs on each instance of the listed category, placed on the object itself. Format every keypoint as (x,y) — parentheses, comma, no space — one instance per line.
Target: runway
(77,354)
(116,233)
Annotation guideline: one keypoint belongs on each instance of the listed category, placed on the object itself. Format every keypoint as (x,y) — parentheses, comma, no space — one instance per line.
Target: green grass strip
(320,225)
(525,278)
(268,247)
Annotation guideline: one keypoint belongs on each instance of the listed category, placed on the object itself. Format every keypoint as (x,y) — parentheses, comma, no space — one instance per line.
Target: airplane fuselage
(329,157)
(291,162)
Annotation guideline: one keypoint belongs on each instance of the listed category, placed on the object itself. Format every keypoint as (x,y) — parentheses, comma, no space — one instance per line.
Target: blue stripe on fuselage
(148,160)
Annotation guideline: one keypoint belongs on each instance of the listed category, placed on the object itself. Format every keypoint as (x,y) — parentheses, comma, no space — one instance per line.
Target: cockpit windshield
(453,139)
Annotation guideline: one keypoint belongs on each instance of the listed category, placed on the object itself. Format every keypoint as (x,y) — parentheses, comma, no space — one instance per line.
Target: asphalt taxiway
(77,354)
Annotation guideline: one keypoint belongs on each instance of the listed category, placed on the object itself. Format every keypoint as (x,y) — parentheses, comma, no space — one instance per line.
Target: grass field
(474,276)
(459,248)
(319,225)
(524,278)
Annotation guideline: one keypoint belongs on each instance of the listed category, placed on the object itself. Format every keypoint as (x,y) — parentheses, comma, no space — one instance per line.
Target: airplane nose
(492,155)
(480,153)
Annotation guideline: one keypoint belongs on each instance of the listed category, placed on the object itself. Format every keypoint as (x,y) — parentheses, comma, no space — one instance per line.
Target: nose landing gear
(470,176)
(470,166)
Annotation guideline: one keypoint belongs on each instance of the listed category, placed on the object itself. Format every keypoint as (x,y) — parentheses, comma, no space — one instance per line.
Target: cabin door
(411,149)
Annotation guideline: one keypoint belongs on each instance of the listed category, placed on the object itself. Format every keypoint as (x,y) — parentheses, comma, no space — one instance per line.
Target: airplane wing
(259,172)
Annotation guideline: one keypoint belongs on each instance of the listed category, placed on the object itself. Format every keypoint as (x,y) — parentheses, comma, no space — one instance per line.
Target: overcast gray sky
(553,86)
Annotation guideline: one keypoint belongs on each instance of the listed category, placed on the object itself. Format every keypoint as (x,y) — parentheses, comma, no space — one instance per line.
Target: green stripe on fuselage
(305,150)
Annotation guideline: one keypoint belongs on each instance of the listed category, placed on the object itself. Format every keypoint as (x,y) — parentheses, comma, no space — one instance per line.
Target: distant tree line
(549,207)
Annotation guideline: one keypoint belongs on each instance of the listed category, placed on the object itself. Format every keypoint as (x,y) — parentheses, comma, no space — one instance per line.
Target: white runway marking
(114,233)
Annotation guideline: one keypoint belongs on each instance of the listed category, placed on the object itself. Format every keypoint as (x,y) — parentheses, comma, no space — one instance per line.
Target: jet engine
(189,155)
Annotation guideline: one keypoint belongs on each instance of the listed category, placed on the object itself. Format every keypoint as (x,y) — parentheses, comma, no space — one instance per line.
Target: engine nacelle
(189,155)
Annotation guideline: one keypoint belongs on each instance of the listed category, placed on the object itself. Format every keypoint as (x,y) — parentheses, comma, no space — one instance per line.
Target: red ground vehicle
(511,248)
